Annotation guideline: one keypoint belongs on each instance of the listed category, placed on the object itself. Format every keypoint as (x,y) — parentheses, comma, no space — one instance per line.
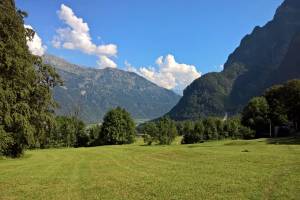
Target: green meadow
(230,169)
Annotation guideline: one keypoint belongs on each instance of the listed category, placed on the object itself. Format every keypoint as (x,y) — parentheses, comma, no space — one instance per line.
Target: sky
(169,42)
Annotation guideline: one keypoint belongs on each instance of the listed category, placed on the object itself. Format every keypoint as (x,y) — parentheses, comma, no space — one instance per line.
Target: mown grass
(212,170)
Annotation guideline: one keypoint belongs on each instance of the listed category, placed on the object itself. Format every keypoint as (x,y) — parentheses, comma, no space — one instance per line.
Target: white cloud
(35,45)
(106,62)
(76,36)
(168,73)
(220,67)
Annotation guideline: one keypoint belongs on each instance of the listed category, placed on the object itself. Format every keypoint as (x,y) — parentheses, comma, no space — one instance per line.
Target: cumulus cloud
(76,36)
(35,45)
(168,73)
(104,62)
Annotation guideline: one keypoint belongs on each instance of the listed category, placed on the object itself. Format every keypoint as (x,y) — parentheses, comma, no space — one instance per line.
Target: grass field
(213,170)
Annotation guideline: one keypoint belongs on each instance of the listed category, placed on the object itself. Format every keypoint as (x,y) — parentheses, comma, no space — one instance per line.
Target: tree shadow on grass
(196,146)
(293,140)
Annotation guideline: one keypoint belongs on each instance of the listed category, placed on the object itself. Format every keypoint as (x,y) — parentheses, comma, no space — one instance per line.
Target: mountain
(92,92)
(270,54)
(290,66)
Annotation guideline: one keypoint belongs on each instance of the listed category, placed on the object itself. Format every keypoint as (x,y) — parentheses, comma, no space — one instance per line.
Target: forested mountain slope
(270,54)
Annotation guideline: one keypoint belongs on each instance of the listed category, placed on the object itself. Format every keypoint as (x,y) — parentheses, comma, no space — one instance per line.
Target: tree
(292,101)
(26,104)
(150,132)
(284,101)
(231,128)
(276,97)
(118,128)
(94,132)
(69,132)
(210,131)
(167,130)
(256,115)
(195,133)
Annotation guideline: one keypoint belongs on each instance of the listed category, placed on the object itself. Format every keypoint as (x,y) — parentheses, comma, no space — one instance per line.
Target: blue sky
(201,33)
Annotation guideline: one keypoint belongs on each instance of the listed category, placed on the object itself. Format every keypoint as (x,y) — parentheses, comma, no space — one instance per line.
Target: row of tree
(118,128)
(278,107)
(165,130)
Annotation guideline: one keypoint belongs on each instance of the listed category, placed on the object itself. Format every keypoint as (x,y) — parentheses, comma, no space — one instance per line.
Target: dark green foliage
(26,105)
(275,97)
(6,143)
(292,102)
(231,128)
(118,128)
(163,131)
(94,132)
(210,131)
(216,129)
(284,101)
(195,133)
(150,132)
(256,115)
(267,56)
(279,106)
(69,132)
(167,131)
(246,132)
(180,127)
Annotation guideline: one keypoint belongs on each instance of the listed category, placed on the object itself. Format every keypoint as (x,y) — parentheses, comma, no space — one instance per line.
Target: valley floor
(257,169)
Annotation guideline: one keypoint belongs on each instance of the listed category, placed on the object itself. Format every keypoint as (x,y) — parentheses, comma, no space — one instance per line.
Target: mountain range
(269,55)
(90,92)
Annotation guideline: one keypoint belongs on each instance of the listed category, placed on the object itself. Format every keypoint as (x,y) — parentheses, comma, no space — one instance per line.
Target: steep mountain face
(92,92)
(290,66)
(268,51)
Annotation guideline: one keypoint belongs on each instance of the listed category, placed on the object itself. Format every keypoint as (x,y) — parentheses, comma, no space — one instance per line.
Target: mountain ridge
(92,92)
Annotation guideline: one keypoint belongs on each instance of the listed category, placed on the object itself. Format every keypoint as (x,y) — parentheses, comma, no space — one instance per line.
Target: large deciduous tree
(118,128)
(256,115)
(26,104)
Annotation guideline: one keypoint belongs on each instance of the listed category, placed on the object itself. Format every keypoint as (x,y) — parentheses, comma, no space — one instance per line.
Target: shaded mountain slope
(248,70)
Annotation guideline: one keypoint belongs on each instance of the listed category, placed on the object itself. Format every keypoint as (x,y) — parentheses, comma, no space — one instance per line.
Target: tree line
(279,107)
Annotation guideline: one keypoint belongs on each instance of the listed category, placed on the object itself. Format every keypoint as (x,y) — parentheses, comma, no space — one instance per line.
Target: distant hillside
(270,54)
(92,92)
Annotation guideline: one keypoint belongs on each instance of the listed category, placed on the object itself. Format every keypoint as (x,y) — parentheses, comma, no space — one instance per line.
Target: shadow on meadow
(292,140)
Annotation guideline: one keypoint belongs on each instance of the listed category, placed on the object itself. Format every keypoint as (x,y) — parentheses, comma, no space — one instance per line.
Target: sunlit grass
(212,170)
